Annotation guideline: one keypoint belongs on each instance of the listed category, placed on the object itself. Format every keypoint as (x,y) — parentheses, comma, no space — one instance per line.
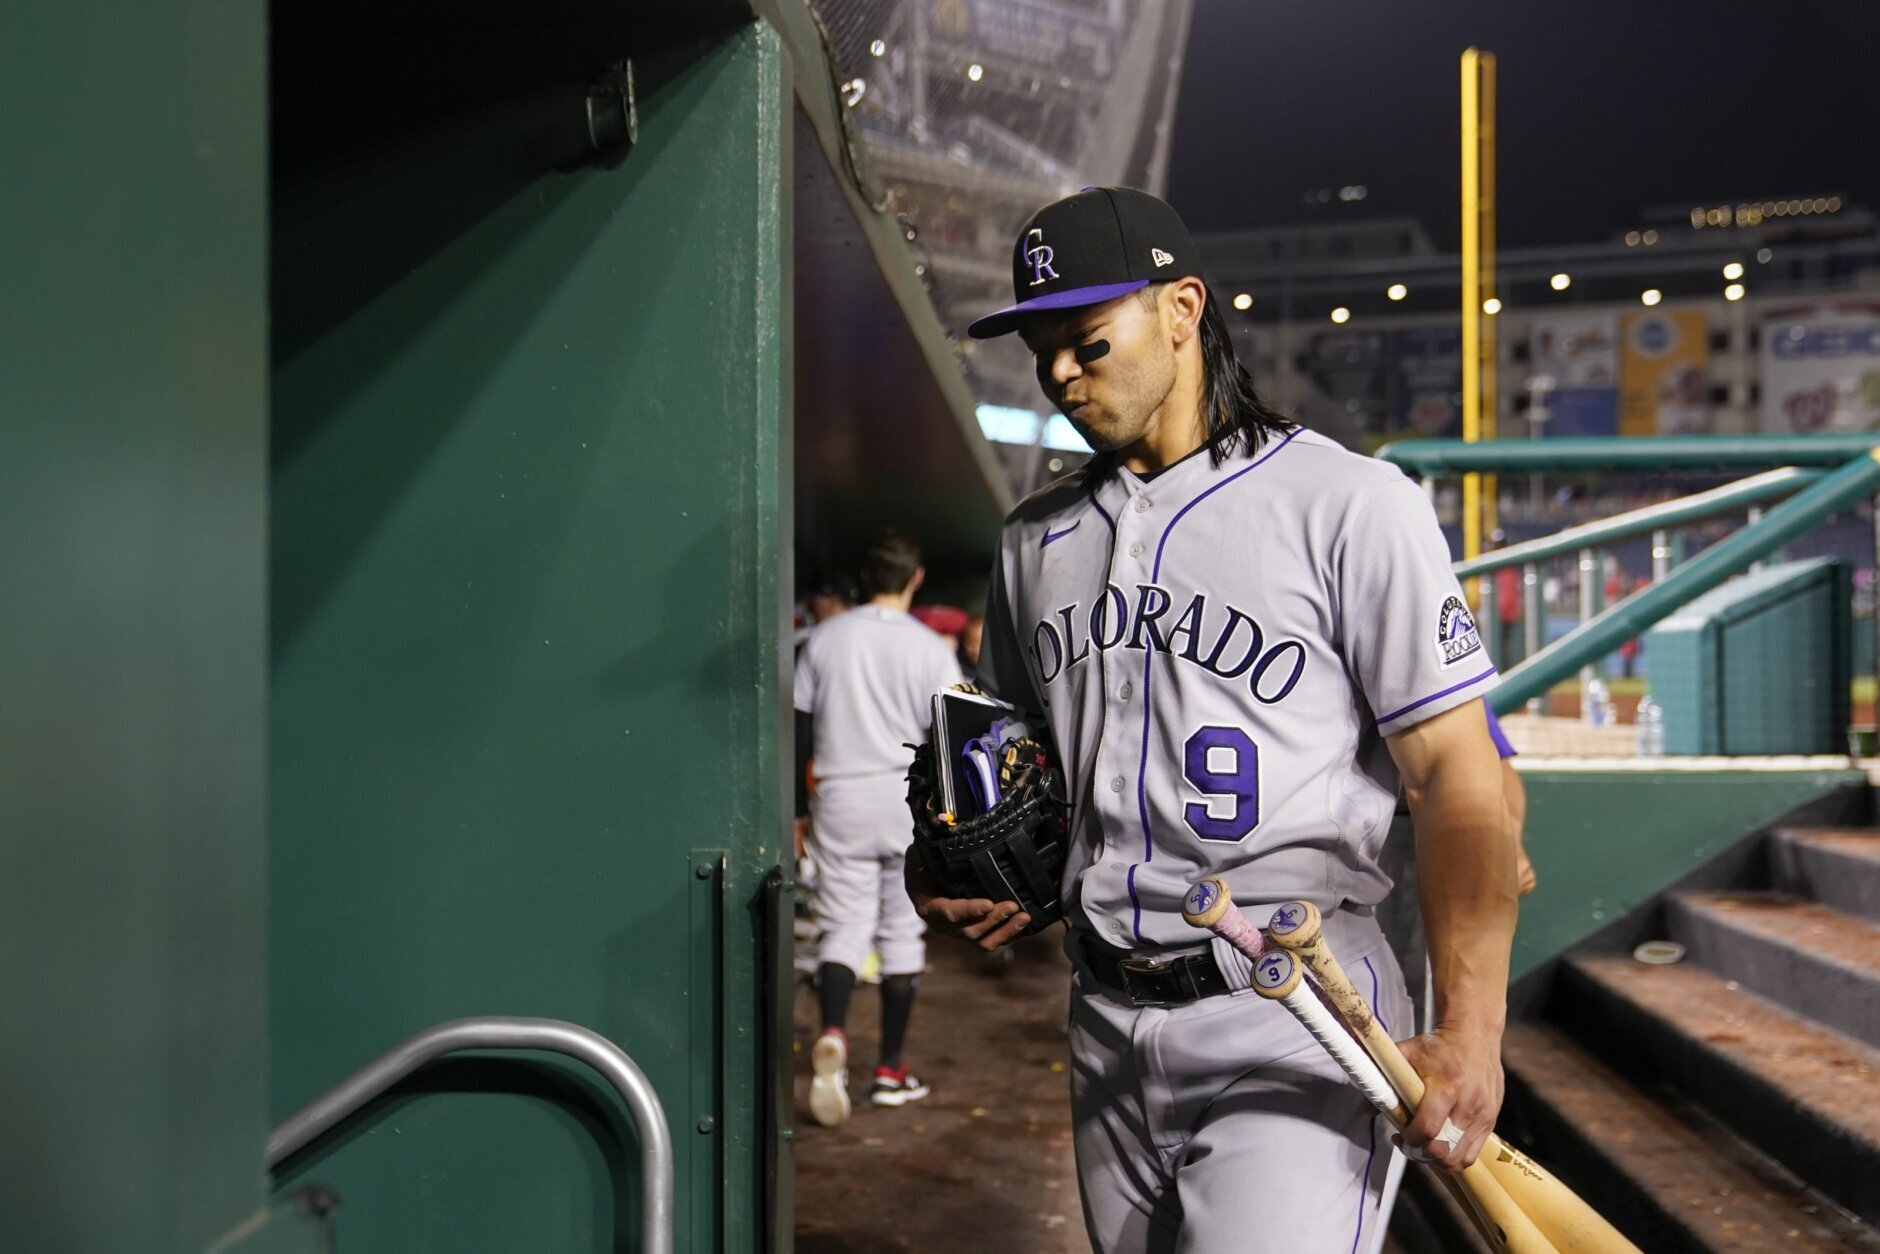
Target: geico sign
(1853,340)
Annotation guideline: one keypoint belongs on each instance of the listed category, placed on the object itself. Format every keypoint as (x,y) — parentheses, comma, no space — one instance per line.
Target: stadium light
(1560,282)
(879,48)
(1396,291)
(1763,255)
(1733,292)
(975,71)
(1492,306)
(1651,296)
(1243,301)
(1734,270)
(1341,315)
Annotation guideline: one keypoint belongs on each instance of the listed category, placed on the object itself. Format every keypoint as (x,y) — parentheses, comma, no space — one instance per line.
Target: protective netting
(973,113)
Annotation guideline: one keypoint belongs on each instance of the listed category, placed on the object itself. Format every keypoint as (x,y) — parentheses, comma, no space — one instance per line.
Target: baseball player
(1245,640)
(864,680)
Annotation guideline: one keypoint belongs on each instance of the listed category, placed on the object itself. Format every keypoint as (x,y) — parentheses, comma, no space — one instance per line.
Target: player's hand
(988,924)
(1461,1069)
(1524,876)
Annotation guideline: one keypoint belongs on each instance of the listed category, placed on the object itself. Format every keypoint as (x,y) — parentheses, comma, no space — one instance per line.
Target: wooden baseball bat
(1559,1212)
(1280,976)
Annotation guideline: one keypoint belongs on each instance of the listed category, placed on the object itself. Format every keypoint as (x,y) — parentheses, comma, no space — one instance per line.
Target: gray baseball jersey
(868,675)
(1221,652)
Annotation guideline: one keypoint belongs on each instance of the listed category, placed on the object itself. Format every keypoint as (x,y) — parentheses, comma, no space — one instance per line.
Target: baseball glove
(1014,848)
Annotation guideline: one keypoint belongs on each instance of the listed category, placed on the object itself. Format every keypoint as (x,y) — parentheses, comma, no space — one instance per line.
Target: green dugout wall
(133,634)
(534,486)
(528,635)
(398,496)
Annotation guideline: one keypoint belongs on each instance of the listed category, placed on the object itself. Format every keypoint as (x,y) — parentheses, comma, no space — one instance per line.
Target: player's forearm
(1466,883)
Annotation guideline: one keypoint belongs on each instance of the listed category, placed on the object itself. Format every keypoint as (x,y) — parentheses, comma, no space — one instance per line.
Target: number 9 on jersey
(1223,765)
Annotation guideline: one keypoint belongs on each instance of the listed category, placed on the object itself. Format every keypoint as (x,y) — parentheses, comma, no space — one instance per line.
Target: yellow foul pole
(1471,296)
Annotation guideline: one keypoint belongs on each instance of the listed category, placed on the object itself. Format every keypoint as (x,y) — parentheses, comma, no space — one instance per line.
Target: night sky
(1606,106)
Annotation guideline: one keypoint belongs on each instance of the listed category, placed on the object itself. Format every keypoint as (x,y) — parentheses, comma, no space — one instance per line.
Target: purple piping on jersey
(1364,1183)
(1106,513)
(1435,696)
(1148,655)
(1259,461)
(1375,1012)
(1364,1180)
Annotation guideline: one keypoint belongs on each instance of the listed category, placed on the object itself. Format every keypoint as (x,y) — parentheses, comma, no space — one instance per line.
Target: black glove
(1013,852)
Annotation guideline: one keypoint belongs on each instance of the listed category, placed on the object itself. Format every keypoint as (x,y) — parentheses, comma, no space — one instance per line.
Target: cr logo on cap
(1039,255)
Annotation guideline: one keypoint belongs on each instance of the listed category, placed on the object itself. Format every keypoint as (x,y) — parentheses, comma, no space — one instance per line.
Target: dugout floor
(984,1163)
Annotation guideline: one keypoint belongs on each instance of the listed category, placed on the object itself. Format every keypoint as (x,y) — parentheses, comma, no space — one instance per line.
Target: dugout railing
(1818,475)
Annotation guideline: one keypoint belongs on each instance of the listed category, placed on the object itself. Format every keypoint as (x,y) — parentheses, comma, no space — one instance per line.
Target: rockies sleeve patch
(1456,634)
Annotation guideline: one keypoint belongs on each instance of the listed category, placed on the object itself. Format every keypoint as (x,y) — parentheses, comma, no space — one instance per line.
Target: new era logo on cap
(1097,245)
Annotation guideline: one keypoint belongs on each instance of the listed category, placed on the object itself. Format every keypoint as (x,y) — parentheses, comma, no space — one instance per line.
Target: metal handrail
(1686,509)
(1600,635)
(1574,455)
(330,1109)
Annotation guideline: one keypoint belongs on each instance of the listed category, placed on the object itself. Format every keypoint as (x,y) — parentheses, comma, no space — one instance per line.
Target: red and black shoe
(895,1087)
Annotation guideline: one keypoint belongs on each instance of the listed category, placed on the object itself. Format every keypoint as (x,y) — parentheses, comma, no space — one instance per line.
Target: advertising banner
(1664,374)
(1574,361)
(1065,38)
(1429,381)
(1821,368)
(1351,371)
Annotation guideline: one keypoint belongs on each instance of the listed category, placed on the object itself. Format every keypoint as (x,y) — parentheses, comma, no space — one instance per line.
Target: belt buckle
(1156,989)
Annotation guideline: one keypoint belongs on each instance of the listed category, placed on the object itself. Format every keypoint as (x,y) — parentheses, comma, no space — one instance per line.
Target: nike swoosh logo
(1050,536)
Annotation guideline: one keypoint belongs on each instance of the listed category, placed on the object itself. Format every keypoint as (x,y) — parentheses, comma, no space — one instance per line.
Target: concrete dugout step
(1806,1095)
(1673,1182)
(1836,866)
(1818,962)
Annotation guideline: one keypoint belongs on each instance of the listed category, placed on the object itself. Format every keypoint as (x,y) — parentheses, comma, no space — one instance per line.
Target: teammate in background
(1510,632)
(970,636)
(830,593)
(864,681)
(945,621)
(1243,638)
(1514,800)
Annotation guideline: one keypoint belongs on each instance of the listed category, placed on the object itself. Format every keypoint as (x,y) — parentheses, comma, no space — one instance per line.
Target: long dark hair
(1239,419)
(1239,422)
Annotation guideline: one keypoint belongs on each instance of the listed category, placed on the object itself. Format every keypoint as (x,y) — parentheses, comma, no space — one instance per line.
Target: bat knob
(1294,925)
(1276,974)
(1206,902)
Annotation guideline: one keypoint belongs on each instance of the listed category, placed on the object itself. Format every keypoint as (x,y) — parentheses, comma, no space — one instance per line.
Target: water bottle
(1596,704)
(1651,728)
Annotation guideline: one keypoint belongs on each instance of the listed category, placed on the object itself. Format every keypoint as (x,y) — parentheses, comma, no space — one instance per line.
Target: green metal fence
(1814,495)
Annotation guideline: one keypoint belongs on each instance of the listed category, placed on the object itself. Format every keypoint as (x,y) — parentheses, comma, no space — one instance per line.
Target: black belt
(1142,981)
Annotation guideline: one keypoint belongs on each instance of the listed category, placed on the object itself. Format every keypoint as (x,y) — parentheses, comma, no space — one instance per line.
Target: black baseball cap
(1102,243)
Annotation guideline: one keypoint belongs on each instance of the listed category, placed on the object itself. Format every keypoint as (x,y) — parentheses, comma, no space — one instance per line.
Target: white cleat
(829,1083)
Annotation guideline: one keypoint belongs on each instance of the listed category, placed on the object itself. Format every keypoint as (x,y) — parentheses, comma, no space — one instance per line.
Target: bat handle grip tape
(1350,1055)
(1235,928)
